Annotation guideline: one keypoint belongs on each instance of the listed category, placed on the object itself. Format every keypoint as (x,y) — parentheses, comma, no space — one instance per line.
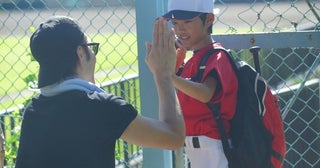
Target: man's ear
(80,53)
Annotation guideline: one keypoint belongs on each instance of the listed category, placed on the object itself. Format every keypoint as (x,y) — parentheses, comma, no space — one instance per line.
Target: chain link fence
(293,72)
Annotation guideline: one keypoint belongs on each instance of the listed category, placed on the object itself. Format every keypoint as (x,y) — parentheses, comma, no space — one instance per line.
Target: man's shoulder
(103,96)
(78,96)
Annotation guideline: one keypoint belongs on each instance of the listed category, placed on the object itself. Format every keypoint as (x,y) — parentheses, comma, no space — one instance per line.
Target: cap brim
(181,14)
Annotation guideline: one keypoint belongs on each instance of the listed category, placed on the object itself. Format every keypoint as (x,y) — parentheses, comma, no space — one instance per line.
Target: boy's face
(192,32)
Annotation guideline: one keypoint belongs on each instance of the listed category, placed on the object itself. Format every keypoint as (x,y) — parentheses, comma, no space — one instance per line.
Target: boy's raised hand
(181,55)
(161,54)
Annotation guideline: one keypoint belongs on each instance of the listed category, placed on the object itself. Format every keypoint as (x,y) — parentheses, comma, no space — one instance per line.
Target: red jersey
(198,117)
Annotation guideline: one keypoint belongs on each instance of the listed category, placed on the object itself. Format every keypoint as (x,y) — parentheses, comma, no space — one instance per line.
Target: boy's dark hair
(54,45)
(203,18)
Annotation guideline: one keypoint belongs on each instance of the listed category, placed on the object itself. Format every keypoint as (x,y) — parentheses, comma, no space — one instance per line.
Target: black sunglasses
(93,46)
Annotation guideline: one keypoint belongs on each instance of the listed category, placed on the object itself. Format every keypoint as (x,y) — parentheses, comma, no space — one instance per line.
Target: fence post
(146,12)
(179,160)
(2,143)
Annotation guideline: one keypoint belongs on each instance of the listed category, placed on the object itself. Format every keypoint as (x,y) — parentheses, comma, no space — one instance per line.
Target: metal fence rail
(286,30)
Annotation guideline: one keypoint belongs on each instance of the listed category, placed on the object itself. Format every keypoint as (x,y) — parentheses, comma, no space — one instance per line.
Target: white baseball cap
(188,9)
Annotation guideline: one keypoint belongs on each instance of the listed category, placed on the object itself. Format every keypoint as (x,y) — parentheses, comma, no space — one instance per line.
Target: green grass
(116,51)
(14,64)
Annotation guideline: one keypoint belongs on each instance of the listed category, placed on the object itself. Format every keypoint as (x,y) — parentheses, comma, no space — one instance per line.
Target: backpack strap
(215,108)
(202,64)
(204,59)
(232,60)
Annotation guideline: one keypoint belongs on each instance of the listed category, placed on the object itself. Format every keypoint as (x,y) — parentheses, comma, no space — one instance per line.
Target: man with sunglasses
(73,123)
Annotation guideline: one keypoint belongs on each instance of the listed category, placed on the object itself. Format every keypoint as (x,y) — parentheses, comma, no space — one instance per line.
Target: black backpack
(257,134)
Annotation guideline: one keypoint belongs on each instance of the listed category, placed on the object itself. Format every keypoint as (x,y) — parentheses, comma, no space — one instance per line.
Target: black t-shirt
(72,130)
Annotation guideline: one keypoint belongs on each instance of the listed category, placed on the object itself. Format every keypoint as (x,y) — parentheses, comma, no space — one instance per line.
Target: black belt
(195,142)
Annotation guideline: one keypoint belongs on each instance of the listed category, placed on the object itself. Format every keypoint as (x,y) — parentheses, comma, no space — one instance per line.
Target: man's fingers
(155,35)
(162,32)
(171,39)
(148,48)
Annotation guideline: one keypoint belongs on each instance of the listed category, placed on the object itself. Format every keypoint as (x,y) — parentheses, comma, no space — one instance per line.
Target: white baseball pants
(205,152)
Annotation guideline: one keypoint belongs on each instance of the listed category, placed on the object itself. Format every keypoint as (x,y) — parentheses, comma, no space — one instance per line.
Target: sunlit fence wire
(293,72)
